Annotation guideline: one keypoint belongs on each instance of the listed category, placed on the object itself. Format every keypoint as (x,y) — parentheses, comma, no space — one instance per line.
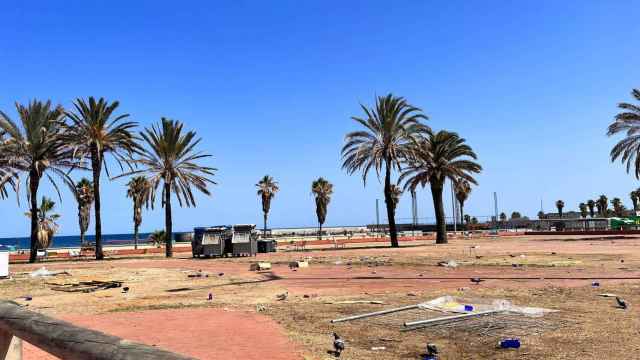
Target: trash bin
(244,240)
(266,246)
(4,263)
(211,241)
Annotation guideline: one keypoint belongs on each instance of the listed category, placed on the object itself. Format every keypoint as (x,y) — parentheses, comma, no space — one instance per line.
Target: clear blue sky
(271,86)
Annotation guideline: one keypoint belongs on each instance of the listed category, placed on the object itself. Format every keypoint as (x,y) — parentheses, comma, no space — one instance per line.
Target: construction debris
(450,264)
(298,264)
(260,266)
(374,302)
(86,286)
(43,272)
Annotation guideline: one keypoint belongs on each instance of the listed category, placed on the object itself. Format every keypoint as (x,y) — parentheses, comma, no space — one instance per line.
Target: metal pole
(377,218)
(453,207)
(449,318)
(382,312)
(414,210)
(495,208)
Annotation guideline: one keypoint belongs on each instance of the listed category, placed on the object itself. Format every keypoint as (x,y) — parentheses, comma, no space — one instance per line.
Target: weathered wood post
(66,340)
(10,346)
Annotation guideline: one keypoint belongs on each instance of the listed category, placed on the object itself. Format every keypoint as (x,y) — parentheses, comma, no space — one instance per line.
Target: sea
(74,240)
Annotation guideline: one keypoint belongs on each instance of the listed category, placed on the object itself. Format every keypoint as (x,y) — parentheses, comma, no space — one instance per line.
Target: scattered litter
(509,344)
(338,345)
(283,296)
(347,302)
(125,289)
(449,264)
(412,294)
(476,280)
(432,352)
(260,266)
(43,272)
(621,303)
(595,284)
(86,286)
(210,297)
(221,274)
(378,348)
(28,298)
(607,295)
(261,308)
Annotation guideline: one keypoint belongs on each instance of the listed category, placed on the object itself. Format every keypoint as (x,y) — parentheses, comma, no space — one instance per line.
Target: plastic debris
(449,263)
(510,344)
(210,297)
(43,272)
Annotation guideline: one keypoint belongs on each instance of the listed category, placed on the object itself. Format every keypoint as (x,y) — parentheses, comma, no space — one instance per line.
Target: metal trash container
(210,241)
(244,240)
(266,246)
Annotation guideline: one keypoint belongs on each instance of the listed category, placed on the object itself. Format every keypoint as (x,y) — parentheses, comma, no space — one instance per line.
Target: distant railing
(65,340)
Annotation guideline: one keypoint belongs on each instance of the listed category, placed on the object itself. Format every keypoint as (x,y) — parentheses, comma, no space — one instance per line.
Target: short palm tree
(35,149)
(440,156)
(47,225)
(83,193)
(169,159)
(267,189)
(94,132)
(385,141)
(560,206)
(634,199)
(467,219)
(627,121)
(139,190)
(617,206)
(516,215)
(591,205)
(322,190)
(503,219)
(583,209)
(602,204)
(540,214)
(462,190)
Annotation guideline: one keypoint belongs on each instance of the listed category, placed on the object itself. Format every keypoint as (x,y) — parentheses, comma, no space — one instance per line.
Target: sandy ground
(167,308)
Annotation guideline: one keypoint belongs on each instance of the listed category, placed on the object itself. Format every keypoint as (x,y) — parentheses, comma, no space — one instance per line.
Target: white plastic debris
(449,264)
(41,272)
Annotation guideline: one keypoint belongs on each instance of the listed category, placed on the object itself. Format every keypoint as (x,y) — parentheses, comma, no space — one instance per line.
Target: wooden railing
(65,340)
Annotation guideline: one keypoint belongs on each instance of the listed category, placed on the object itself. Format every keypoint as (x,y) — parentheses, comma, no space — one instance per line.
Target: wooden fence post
(10,346)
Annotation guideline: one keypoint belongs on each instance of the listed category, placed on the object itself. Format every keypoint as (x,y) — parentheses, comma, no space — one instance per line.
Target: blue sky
(271,86)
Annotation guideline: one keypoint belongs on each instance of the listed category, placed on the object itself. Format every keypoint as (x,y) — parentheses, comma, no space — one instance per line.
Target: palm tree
(634,199)
(36,150)
(396,194)
(440,156)
(618,208)
(170,159)
(8,177)
(47,225)
(503,219)
(474,220)
(94,132)
(267,189)
(602,204)
(467,219)
(583,209)
(83,193)
(627,121)
(540,214)
(560,206)
(322,190)
(516,215)
(462,189)
(591,204)
(139,190)
(389,130)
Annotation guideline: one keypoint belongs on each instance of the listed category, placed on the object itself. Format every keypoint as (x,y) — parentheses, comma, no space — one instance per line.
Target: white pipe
(382,312)
(454,317)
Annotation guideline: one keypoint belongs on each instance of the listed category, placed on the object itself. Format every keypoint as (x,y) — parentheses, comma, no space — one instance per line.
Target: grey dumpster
(210,241)
(244,240)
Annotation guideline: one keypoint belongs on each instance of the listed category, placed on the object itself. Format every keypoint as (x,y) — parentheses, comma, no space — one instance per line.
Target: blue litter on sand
(595,284)
(429,357)
(468,308)
(510,344)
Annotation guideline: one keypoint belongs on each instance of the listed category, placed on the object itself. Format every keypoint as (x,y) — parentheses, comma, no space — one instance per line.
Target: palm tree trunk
(389,202)
(320,231)
(80,224)
(264,229)
(167,220)
(438,205)
(34,182)
(464,228)
(135,236)
(96,164)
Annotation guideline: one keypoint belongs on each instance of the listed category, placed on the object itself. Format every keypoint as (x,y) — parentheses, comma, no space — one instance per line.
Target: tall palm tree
(462,190)
(95,132)
(83,193)
(617,206)
(322,190)
(267,189)
(139,190)
(47,225)
(8,176)
(602,204)
(389,130)
(583,209)
(169,159)
(396,194)
(634,199)
(591,204)
(627,121)
(560,206)
(35,149)
(440,156)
